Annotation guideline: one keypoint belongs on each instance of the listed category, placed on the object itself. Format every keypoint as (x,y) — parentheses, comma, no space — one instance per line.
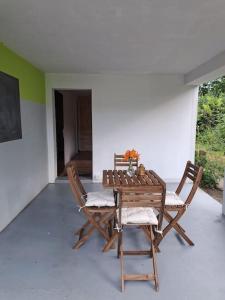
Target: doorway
(73,115)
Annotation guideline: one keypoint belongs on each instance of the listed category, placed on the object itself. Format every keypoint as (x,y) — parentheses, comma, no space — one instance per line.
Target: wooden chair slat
(143,196)
(141,203)
(119,161)
(141,189)
(122,160)
(122,164)
(140,197)
(190,176)
(118,166)
(192,171)
(138,277)
(191,165)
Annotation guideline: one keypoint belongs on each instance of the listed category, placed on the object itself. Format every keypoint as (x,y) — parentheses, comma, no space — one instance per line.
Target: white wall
(70,125)
(155,114)
(23,172)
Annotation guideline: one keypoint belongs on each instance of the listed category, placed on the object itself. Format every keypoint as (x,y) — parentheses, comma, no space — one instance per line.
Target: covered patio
(138,65)
(37,260)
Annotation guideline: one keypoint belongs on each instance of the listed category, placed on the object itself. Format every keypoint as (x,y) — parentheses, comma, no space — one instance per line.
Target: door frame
(51,128)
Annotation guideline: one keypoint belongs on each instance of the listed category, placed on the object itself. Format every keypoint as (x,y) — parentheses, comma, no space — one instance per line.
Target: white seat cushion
(173,199)
(138,215)
(100,199)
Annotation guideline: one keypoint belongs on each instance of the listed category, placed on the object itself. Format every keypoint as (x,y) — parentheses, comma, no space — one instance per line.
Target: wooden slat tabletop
(120,178)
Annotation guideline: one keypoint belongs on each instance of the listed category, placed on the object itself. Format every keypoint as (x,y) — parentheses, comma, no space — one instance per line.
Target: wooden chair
(136,209)
(99,217)
(120,162)
(176,205)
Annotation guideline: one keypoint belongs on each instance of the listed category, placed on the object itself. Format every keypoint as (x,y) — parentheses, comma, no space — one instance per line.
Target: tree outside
(210,135)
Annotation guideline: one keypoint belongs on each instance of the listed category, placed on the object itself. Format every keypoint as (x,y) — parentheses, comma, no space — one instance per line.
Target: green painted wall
(31,79)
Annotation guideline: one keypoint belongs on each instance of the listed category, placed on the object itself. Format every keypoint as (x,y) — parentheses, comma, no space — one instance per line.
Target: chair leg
(119,244)
(81,233)
(110,228)
(122,261)
(97,225)
(81,230)
(169,226)
(110,232)
(109,243)
(140,277)
(78,232)
(179,229)
(146,230)
(183,235)
(84,238)
(104,218)
(156,279)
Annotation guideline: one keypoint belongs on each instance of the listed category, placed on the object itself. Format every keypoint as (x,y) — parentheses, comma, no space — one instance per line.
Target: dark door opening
(59,132)
(74,131)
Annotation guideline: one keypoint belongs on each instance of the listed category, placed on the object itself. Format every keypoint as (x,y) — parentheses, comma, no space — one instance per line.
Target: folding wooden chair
(120,162)
(98,208)
(175,204)
(136,209)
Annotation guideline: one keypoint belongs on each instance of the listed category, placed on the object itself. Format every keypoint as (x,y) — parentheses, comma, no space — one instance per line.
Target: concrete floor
(37,262)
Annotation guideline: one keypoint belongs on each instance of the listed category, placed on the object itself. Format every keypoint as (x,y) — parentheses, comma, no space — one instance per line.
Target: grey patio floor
(37,262)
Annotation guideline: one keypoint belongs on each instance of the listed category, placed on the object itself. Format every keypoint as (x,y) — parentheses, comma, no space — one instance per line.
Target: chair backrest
(151,196)
(193,173)
(120,162)
(76,185)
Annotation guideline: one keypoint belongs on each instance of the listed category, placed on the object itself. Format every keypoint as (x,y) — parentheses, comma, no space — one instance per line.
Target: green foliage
(211,131)
(214,88)
(213,139)
(211,111)
(211,116)
(212,171)
(220,135)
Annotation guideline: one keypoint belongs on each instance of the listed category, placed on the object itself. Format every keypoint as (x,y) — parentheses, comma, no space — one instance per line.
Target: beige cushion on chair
(100,199)
(173,199)
(138,215)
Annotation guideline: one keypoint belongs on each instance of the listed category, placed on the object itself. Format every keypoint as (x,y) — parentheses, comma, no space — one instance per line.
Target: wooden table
(119,178)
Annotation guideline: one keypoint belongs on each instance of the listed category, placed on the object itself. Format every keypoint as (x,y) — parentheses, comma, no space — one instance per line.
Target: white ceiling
(116,36)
